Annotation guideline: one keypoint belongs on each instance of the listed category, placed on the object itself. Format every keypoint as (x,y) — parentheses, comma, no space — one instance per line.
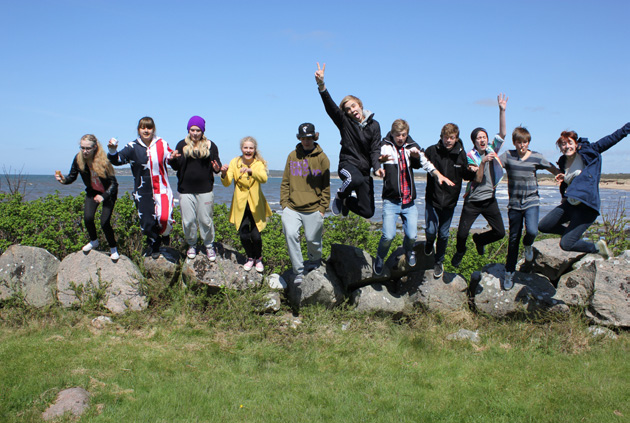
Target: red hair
(565,136)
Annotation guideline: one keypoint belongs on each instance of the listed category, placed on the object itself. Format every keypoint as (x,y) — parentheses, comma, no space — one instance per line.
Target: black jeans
(363,185)
(579,218)
(89,210)
(250,235)
(489,209)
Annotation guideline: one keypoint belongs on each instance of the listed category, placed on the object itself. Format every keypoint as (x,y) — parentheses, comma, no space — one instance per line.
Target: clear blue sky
(92,66)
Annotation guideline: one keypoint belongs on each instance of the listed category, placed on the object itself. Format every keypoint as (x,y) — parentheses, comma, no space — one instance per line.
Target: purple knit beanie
(198,122)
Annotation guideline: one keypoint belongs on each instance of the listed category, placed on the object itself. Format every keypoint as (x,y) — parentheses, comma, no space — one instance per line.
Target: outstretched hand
(502,100)
(384,157)
(319,74)
(414,152)
(175,154)
(113,143)
(215,166)
(443,179)
(560,178)
(59,176)
(224,170)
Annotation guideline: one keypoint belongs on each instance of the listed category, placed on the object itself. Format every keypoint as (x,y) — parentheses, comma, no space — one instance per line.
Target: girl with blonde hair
(249,209)
(101,186)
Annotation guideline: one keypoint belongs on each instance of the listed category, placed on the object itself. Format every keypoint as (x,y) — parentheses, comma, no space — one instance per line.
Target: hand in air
(113,143)
(384,157)
(444,180)
(502,100)
(215,166)
(319,74)
(175,154)
(58,176)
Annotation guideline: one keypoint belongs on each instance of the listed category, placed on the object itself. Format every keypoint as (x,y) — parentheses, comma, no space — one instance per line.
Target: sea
(37,186)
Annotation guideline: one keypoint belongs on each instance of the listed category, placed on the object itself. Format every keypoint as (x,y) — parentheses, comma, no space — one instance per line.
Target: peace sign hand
(319,74)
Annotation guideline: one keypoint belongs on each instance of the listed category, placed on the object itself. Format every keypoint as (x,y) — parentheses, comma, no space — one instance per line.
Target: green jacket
(306,181)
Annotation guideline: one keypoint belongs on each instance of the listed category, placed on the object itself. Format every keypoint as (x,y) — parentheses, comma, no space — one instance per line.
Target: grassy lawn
(222,362)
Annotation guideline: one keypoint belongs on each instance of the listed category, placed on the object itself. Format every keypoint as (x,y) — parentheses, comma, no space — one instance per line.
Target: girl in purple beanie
(196,160)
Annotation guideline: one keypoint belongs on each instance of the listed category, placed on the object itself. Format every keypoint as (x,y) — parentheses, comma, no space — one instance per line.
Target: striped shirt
(522,182)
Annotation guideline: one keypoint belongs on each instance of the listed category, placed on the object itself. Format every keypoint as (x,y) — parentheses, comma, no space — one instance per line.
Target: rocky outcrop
(319,286)
(353,267)
(29,273)
(550,260)
(447,293)
(576,287)
(377,298)
(90,277)
(226,272)
(531,293)
(163,271)
(610,305)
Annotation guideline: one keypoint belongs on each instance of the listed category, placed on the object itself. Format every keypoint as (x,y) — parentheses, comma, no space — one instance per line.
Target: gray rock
(610,305)
(272,303)
(28,272)
(624,256)
(73,400)
(576,287)
(227,271)
(447,293)
(550,260)
(377,298)
(464,334)
(531,293)
(597,332)
(275,281)
(163,271)
(319,286)
(353,267)
(94,276)
(586,260)
(101,321)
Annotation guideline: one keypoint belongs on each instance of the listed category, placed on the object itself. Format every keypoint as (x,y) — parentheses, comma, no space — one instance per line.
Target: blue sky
(91,66)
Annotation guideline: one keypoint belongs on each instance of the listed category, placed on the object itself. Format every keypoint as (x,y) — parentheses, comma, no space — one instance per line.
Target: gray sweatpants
(313,224)
(197,209)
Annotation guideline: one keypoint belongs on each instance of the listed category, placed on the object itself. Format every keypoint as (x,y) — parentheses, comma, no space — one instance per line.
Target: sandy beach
(621,184)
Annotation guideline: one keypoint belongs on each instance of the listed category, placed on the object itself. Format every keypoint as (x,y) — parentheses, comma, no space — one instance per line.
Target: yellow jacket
(247,190)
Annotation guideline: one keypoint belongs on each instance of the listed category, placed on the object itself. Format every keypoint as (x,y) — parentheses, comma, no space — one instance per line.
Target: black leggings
(250,235)
(363,185)
(89,210)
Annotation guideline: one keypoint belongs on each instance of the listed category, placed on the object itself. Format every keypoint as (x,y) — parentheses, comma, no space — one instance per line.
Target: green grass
(218,360)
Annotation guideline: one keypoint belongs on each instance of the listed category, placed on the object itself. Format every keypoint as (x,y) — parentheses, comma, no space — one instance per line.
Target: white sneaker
(114,254)
(508,282)
(212,255)
(529,253)
(192,252)
(89,246)
(259,266)
(248,266)
(602,249)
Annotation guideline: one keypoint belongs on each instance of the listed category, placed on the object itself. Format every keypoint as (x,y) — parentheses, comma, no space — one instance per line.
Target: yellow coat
(247,190)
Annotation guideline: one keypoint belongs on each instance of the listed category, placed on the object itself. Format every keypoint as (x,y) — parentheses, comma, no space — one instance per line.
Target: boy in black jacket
(400,155)
(449,157)
(360,147)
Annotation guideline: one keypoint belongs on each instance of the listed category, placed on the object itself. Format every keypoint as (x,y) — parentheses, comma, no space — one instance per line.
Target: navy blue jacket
(585,186)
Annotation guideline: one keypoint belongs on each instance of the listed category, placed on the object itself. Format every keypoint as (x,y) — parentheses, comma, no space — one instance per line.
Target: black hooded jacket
(453,165)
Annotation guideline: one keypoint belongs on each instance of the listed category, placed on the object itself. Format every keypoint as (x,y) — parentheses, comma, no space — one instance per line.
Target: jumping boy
(479,197)
(304,197)
(449,158)
(400,155)
(360,148)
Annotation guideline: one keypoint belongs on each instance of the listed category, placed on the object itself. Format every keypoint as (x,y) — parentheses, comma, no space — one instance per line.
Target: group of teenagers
(305,189)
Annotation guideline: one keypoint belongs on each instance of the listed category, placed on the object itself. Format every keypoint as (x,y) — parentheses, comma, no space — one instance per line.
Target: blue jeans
(438,223)
(579,217)
(409,215)
(516,218)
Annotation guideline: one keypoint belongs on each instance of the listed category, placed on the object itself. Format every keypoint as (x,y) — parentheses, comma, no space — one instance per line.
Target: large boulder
(532,293)
(550,260)
(226,272)
(353,267)
(377,298)
(86,277)
(576,287)
(319,286)
(447,293)
(610,305)
(29,272)
(163,270)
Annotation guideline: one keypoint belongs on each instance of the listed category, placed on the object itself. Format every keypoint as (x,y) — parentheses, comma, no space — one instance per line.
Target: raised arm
(612,139)
(502,100)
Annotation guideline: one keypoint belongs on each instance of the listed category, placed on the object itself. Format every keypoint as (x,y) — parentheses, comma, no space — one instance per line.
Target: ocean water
(42,185)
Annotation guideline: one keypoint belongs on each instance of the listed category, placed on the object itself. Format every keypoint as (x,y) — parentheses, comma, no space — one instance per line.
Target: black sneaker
(457,259)
(481,249)
(336,206)
(378,266)
(428,249)
(438,270)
